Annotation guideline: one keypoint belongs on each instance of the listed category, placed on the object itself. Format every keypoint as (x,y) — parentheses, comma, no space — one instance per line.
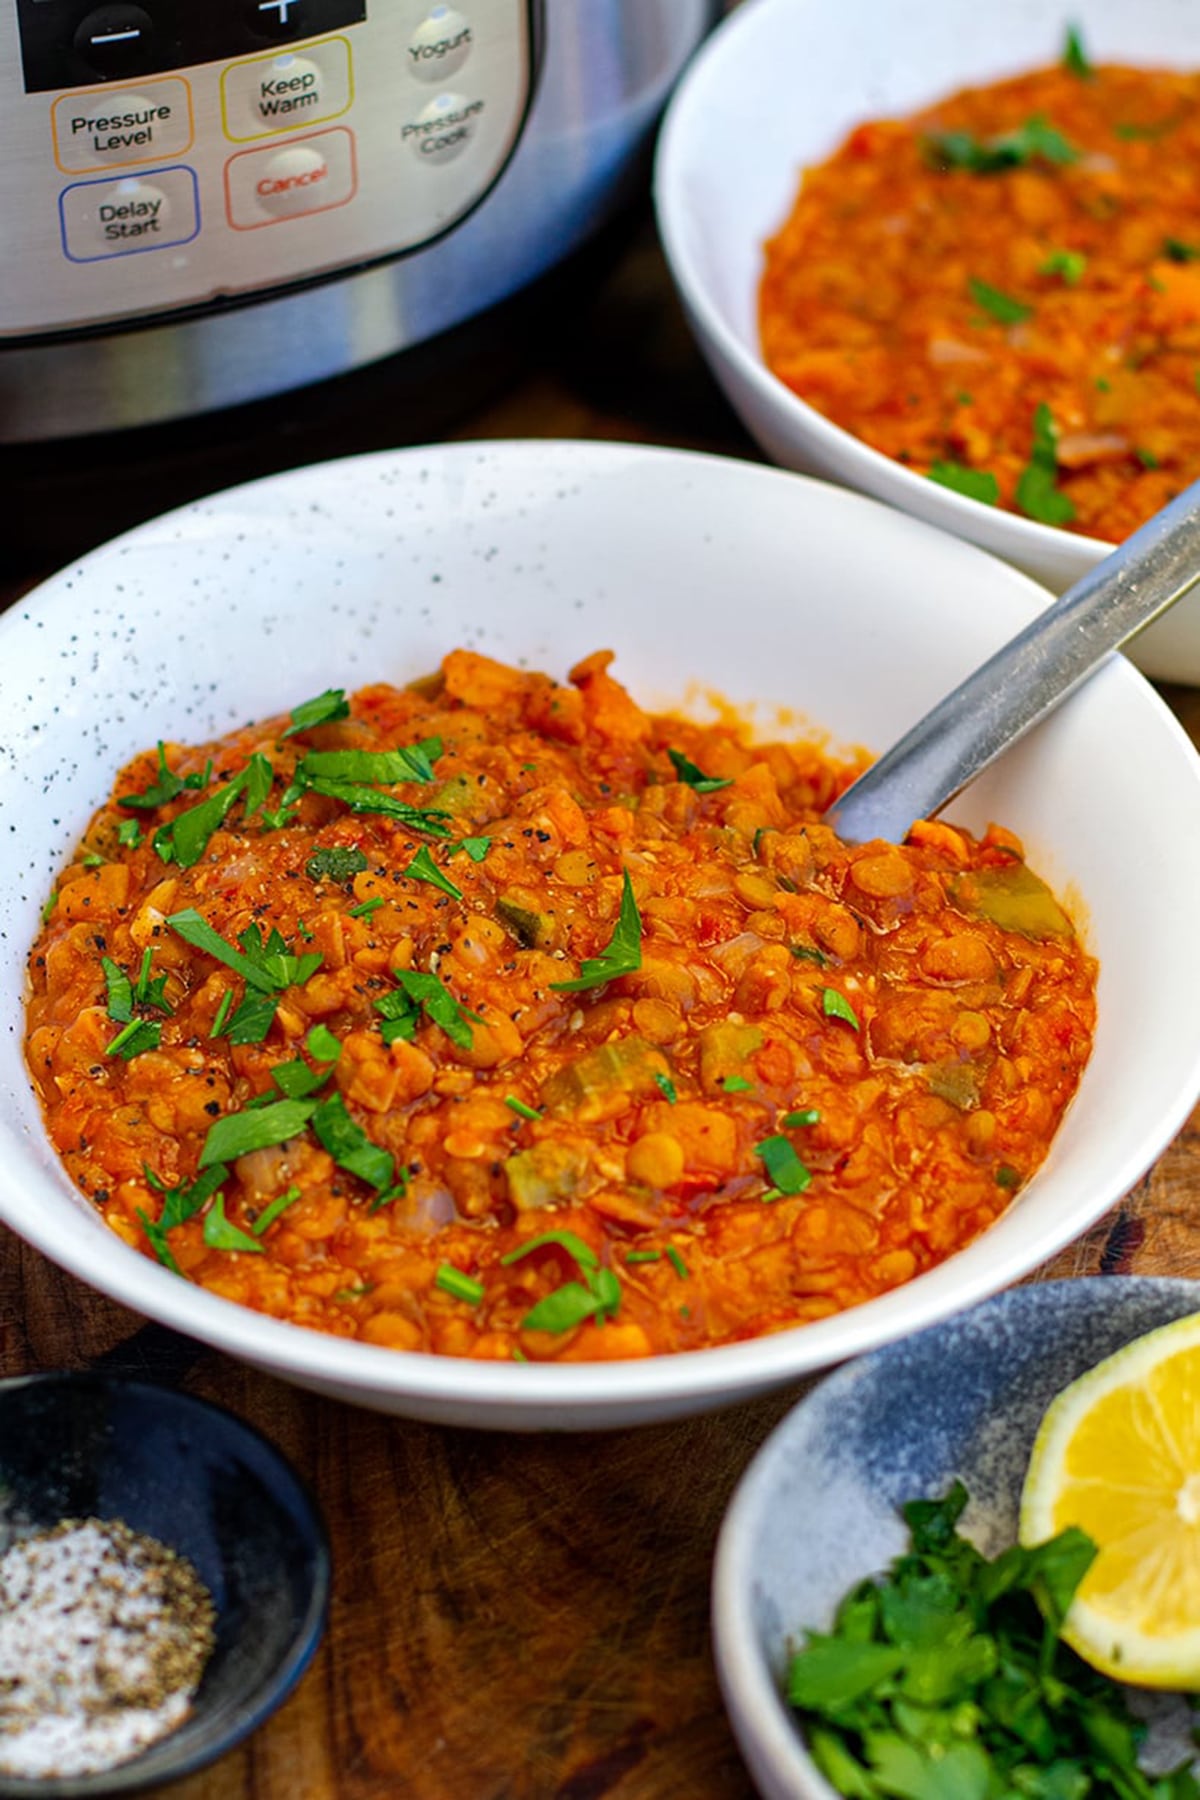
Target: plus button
(280,18)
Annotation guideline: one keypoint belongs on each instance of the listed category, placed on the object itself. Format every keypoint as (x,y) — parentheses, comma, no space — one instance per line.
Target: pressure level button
(441,44)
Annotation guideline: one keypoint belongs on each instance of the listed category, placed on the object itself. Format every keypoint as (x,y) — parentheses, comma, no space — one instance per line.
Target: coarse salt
(104,1634)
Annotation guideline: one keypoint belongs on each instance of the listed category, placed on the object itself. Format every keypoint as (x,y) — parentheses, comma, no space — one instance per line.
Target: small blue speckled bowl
(817,1510)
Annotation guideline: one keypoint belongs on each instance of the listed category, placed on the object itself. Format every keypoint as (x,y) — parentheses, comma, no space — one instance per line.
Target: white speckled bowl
(818,1509)
(777,88)
(696,570)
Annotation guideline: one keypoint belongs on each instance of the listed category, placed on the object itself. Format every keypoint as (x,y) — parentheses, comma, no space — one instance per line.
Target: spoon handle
(1026,678)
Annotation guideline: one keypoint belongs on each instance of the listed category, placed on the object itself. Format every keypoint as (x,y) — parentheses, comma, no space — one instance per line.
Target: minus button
(115,40)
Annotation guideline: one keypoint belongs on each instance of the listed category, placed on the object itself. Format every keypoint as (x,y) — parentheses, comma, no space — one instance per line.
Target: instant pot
(208,202)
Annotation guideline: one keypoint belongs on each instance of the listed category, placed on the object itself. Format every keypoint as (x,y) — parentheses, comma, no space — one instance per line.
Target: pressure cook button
(443,129)
(116,40)
(440,44)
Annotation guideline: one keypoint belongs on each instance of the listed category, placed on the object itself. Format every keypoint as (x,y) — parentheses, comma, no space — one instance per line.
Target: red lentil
(824,1070)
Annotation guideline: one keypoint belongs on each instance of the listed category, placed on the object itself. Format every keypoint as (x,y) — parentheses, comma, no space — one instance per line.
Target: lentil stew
(1003,292)
(498,1017)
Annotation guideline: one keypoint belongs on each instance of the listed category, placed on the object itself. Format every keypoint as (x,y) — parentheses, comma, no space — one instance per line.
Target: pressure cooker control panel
(164,154)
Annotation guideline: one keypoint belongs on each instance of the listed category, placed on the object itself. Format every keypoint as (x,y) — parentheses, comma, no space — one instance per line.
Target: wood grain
(517,1616)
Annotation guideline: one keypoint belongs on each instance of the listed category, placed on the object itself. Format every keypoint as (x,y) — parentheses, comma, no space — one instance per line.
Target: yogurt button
(443,129)
(440,44)
(292,180)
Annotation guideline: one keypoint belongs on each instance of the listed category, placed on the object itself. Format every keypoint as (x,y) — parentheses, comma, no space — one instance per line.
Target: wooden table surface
(511,1616)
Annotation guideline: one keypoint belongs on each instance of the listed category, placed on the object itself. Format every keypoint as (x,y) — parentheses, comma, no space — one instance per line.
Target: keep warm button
(307,175)
(114,218)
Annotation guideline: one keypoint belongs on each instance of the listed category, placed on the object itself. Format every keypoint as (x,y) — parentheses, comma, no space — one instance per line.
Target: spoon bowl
(1026,678)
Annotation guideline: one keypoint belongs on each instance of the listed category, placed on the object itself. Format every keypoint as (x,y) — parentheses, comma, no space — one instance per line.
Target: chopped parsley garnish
(120,991)
(737,1084)
(1180,252)
(975,484)
(462,1287)
(377,768)
(221,1234)
(423,868)
(1147,459)
(238,1133)
(352,1149)
(186,838)
(597,1295)
(134,1039)
(129,834)
(419,993)
(946,1679)
(1007,1176)
(475,847)
(1075,58)
(623,954)
(836,1006)
(809,953)
(337,863)
(784,1167)
(677,1263)
(809,1116)
(323,709)
(270,1213)
(666,1087)
(147,992)
(253,1018)
(47,911)
(693,777)
(179,1204)
(366,909)
(1069,265)
(222,1013)
(519,1107)
(1013,149)
(321,1044)
(168,787)
(1037,494)
(297,1080)
(362,799)
(1002,307)
(158,1241)
(643,1256)
(268,966)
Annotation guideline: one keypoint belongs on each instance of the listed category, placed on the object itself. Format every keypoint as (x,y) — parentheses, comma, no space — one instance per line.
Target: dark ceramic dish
(210,1487)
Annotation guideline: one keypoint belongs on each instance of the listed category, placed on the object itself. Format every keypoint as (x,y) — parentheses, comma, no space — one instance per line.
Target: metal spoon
(1026,678)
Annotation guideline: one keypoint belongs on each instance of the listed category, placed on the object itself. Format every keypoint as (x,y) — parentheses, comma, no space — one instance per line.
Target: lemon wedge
(1118,1454)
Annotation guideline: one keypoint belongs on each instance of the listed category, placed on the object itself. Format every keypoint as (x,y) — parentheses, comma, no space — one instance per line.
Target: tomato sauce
(500,1018)
(1003,292)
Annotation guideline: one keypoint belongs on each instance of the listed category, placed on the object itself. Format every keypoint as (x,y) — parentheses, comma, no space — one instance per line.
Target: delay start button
(114,218)
(306,175)
(443,129)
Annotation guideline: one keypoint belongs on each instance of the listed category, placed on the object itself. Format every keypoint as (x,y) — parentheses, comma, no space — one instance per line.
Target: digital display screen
(75,43)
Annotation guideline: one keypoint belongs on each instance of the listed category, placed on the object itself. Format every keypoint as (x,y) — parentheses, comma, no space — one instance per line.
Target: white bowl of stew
(779,89)
(809,609)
